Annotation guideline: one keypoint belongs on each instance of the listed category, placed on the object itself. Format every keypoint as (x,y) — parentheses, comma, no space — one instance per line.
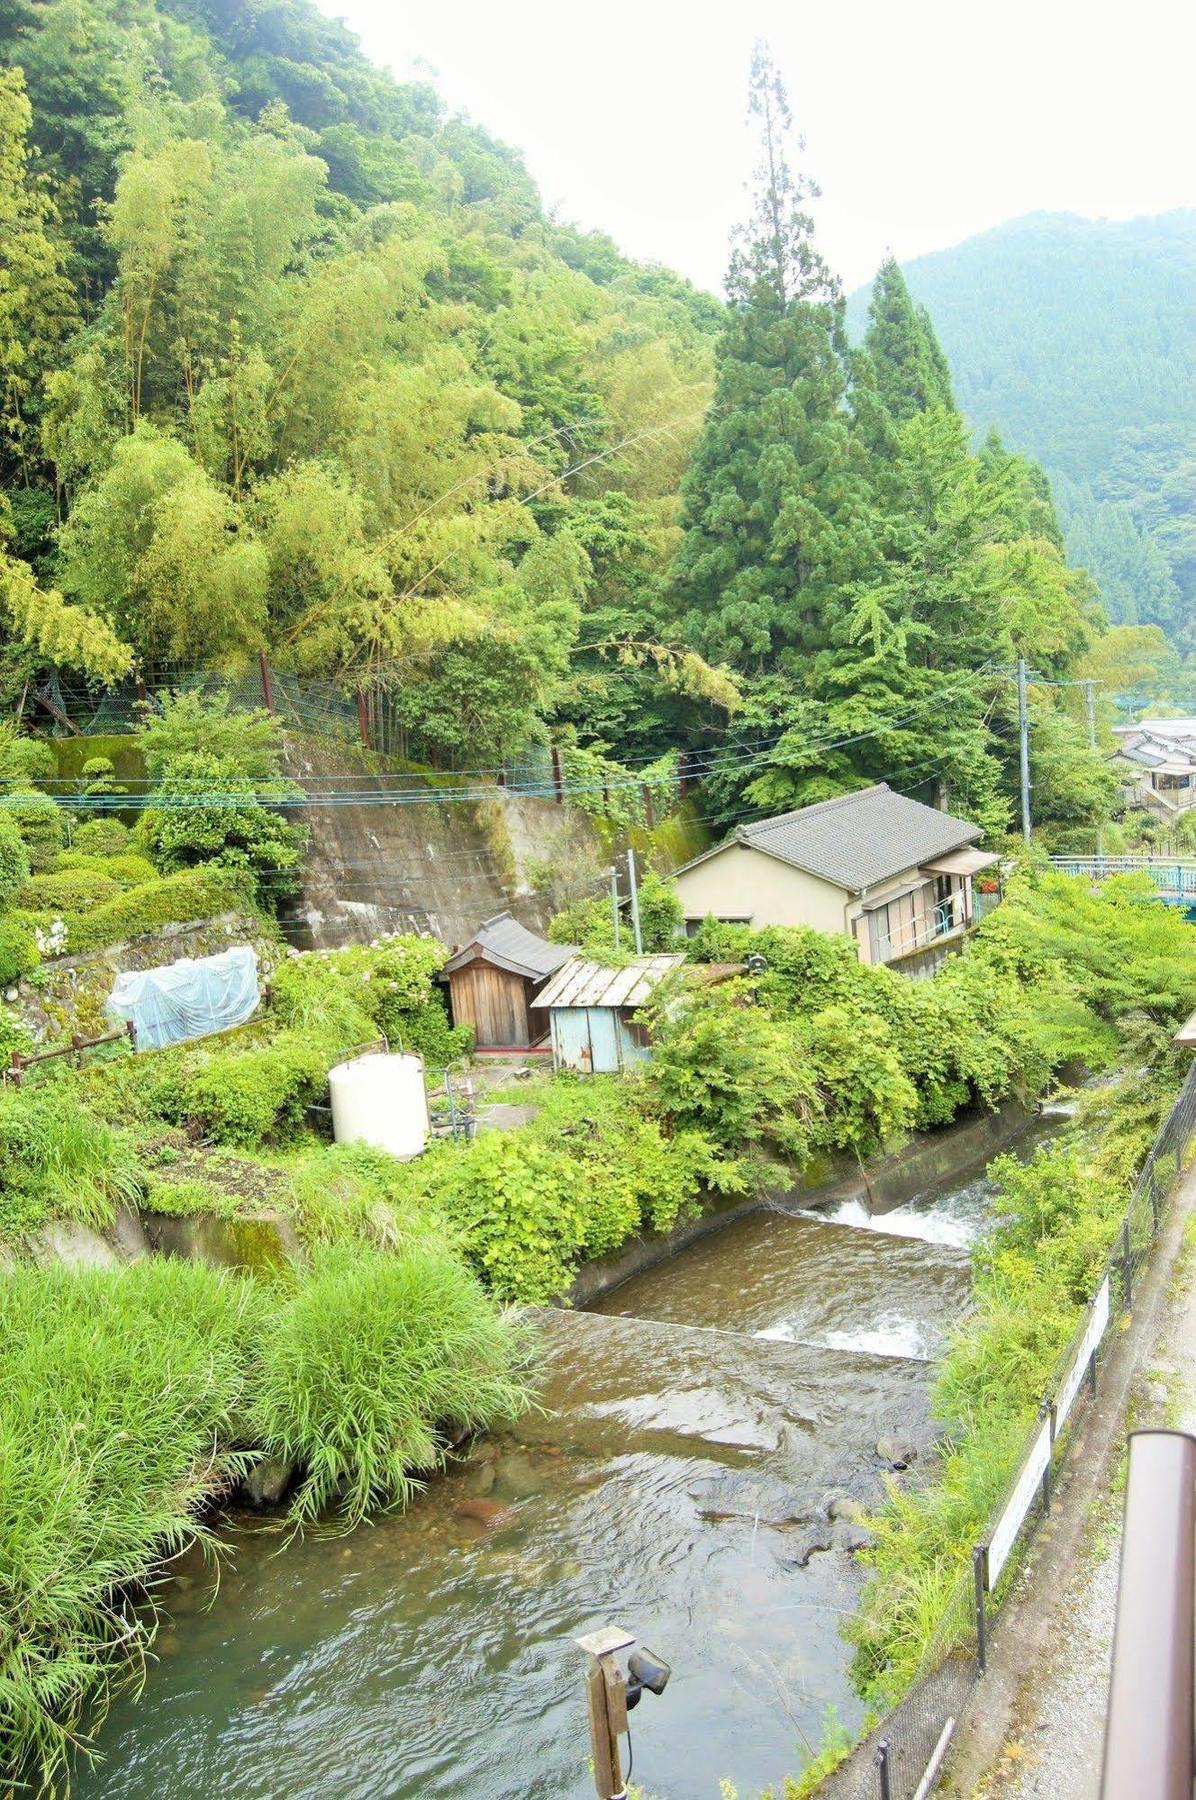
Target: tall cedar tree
(776,514)
(911,370)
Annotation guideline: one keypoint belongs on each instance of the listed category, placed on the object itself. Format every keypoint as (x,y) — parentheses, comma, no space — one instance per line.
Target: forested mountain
(1077,339)
(293,361)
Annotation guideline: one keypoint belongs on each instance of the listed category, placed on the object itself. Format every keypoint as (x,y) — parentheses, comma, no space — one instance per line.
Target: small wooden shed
(494,982)
(592,1008)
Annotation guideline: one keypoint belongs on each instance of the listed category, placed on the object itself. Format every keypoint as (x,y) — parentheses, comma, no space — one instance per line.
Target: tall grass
(373,1359)
(116,1409)
(58,1159)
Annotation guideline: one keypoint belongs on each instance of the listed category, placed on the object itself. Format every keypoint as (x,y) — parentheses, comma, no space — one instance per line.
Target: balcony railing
(943,918)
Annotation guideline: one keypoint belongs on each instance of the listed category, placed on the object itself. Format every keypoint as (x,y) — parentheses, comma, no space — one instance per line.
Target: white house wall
(741,883)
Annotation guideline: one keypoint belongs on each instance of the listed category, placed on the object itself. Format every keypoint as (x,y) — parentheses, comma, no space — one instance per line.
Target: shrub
(68,891)
(589,925)
(102,837)
(14,859)
(40,823)
(242,1097)
(19,954)
(168,900)
(371,1360)
(365,991)
(231,827)
(249,739)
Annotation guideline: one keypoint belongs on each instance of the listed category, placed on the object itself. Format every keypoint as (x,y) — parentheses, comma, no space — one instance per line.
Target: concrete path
(1039,1728)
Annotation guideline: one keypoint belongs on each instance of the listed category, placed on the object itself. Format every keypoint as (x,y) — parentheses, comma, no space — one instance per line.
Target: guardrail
(914,1739)
(1170,874)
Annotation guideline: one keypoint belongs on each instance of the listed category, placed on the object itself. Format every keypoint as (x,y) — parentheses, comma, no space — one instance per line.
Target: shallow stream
(696,1424)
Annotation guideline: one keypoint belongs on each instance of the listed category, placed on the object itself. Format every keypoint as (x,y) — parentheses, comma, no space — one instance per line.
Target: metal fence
(1172,875)
(913,1741)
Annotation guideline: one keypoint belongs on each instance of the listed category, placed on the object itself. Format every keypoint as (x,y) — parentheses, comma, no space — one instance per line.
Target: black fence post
(882,1769)
(1047,1411)
(557,783)
(1155,1208)
(1092,1371)
(1127,1265)
(979,1569)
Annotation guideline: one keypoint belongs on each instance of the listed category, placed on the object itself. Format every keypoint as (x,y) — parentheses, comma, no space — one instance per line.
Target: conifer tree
(776,514)
(911,370)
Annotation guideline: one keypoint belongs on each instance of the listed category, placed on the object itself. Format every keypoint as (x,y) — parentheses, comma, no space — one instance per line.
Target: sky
(924,121)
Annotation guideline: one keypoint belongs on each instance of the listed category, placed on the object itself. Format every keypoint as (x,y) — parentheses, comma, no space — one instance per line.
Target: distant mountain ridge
(1079,336)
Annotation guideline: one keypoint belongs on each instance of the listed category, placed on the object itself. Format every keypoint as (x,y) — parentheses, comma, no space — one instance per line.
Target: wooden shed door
(494,1002)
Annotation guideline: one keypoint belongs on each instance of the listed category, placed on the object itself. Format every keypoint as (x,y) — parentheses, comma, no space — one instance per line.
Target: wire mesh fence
(903,1758)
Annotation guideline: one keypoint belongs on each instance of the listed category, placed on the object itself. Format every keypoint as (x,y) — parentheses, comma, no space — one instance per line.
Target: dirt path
(1038,1731)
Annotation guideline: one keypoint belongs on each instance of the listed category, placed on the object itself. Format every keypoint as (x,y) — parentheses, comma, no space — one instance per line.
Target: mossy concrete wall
(438,867)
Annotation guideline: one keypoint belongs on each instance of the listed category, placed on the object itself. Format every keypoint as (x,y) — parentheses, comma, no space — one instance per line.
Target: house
(1156,759)
(494,983)
(591,1008)
(893,874)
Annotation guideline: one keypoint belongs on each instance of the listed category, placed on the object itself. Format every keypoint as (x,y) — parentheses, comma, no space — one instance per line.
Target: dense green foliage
(132,1397)
(1075,337)
(1132,965)
(868,577)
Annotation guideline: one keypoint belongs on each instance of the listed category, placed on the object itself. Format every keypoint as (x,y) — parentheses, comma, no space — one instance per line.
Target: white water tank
(379,1099)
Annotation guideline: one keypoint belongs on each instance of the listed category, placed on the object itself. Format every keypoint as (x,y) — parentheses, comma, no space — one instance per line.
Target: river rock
(481,1479)
(483,1511)
(847,1508)
(516,1478)
(898,1452)
(813,1539)
(851,1538)
(267,1481)
(743,1496)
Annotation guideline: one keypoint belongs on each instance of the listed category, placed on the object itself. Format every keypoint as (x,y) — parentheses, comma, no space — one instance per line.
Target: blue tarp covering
(186,999)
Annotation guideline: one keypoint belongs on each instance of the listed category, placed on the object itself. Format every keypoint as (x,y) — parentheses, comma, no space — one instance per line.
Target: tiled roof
(857,840)
(503,940)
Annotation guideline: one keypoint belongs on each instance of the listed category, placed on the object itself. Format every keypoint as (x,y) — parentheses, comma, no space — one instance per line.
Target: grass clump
(373,1361)
(116,1411)
(199,893)
(59,1160)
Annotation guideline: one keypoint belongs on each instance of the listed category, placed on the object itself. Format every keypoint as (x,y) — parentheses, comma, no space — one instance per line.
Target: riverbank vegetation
(1132,966)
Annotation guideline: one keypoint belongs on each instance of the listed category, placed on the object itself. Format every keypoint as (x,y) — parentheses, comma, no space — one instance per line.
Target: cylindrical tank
(379,1099)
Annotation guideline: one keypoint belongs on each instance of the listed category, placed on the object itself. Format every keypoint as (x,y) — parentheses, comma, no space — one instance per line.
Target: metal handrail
(1149,1725)
(942,919)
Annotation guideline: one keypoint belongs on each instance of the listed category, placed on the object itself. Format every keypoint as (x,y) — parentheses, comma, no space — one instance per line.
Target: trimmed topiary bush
(40,823)
(102,837)
(19,954)
(14,858)
(68,891)
(168,900)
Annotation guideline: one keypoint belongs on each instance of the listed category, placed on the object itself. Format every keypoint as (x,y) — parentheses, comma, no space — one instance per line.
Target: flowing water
(695,1425)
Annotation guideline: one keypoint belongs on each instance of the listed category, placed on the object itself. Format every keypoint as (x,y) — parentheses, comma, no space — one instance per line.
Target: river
(695,1425)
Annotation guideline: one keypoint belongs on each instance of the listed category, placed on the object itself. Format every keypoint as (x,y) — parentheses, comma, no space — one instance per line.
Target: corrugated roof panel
(585,983)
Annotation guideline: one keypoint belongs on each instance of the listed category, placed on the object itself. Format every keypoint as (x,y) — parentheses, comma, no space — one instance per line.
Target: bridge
(1173,876)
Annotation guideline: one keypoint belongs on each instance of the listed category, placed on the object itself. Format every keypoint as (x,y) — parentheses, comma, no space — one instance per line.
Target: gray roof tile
(859,840)
(514,947)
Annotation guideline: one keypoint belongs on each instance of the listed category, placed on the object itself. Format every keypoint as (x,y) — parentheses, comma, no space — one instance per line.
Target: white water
(954,1221)
(890,1334)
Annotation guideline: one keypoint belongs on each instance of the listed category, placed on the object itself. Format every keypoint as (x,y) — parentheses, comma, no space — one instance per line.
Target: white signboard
(1098,1324)
(1010,1521)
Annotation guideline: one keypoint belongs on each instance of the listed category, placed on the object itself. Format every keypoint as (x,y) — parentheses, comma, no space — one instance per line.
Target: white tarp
(1098,1321)
(1018,1505)
(186,999)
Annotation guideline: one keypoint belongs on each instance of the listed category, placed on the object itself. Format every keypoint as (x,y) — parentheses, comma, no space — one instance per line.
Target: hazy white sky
(925,120)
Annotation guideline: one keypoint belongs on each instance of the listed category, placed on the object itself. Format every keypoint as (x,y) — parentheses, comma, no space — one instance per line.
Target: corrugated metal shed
(585,983)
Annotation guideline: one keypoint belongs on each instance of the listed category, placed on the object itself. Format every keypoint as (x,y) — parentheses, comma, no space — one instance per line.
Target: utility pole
(1090,702)
(1023,732)
(614,902)
(635,902)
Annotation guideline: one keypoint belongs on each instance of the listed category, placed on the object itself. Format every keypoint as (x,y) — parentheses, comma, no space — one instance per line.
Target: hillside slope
(1079,337)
